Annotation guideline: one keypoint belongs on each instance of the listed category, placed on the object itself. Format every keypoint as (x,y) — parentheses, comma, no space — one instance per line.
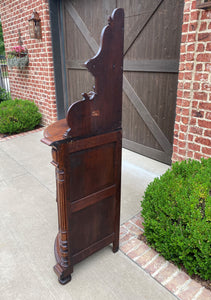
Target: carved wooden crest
(100,110)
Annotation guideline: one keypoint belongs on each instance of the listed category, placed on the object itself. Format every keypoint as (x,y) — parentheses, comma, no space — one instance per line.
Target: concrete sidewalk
(29,225)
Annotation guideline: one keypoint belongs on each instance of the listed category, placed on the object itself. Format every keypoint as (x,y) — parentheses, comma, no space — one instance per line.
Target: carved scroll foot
(64,280)
(61,273)
(64,274)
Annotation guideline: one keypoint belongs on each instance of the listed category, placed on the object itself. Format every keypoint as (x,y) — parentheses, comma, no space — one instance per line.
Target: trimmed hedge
(4,95)
(177,216)
(18,116)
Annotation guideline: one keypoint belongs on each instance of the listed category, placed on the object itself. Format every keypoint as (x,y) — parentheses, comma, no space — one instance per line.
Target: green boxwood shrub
(177,216)
(18,116)
(4,95)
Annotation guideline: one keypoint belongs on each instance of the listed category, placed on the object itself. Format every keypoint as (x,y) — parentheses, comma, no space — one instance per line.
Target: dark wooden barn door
(152,43)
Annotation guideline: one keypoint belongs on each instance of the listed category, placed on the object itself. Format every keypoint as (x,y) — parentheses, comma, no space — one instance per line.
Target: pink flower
(19,49)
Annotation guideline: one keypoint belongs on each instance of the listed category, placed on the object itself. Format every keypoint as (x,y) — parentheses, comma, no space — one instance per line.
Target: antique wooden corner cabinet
(86,151)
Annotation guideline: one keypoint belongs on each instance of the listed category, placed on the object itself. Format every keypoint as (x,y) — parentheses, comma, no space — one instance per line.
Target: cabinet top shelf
(54,133)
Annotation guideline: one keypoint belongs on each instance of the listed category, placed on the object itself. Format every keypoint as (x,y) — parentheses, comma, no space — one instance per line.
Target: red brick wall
(35,82)
(192,132)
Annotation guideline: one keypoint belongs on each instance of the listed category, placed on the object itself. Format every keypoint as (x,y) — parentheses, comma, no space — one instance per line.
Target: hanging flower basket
(18,57)
(19,62)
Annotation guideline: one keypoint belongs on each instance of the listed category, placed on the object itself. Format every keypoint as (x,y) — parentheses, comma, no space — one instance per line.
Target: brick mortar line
(135,225)
(137,257)
(149,262)
(133,249)
(198,294)
(131,238)
(191,85)
(167,280)
(128,231)
(199,24)
(162,267)
(186,283)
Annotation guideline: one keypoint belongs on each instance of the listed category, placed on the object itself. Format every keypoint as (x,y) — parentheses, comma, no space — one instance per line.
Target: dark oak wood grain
(86,151)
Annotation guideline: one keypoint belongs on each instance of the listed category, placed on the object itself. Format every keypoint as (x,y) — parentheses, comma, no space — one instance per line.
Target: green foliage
(177,215)
(2,49)
(18,115)
(4,95)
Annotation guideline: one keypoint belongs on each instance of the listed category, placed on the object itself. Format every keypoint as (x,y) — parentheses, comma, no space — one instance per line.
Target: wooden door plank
(146,116)
(82,26)
(138,27)
(146,151)
(128,89)
(75,65)
(153,65)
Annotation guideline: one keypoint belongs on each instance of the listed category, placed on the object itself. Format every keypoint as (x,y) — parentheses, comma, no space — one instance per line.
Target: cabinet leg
(115,246)
(64,275)
(64,280)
